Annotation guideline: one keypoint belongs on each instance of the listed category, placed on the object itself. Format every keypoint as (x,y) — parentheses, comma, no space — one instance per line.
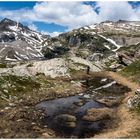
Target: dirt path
(128,120)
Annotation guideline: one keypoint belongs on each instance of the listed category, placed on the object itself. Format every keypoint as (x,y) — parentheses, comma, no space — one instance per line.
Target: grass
(132,71)
(130,48)
(16,85)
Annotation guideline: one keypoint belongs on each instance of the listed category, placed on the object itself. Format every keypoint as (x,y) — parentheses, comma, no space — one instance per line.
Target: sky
(55,17)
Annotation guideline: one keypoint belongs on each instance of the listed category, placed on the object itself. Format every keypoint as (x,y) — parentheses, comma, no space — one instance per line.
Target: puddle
(64,115)
(75,106)
(100,87)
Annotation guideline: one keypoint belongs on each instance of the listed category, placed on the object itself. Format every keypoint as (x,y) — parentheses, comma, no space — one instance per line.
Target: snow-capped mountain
(18,42)
(103,43)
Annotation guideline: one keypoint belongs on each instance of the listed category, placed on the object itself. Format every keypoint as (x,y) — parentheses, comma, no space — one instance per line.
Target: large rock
(53,68)
(133,101)
(66,120)
(96,114)
(109,102)
(137,91)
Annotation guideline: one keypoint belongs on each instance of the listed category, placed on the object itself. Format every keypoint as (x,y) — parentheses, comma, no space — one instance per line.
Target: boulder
(96,114)
(109,102)
(132,102)
(137,91)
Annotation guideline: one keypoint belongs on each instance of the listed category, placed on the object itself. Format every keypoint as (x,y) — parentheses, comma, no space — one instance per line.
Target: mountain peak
(5,23)
(6,20)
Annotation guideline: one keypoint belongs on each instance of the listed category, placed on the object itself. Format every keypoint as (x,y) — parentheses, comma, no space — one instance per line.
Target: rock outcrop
(96,114)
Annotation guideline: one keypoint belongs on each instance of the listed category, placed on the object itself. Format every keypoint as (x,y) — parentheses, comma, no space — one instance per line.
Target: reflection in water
(76,106)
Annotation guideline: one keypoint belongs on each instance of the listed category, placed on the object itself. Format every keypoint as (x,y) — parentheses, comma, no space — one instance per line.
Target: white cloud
(70,14)
(52,34)
(33,27)
(74,14)
(117,10)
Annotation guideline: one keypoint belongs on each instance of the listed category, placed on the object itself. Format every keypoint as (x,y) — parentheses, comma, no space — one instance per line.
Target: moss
(3,65)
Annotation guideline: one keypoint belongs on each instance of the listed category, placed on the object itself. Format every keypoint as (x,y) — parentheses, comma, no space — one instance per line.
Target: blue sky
(57,17)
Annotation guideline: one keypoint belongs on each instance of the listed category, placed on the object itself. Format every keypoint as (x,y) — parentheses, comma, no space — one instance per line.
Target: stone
(137,91)
(86,96)
(109,102)
(46,135)
(96,114)
(66,120)
(12,104)
(133,101)
(81,94)
(80,103)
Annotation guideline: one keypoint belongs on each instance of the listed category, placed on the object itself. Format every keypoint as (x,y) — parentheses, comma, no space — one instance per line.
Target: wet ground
(75,107)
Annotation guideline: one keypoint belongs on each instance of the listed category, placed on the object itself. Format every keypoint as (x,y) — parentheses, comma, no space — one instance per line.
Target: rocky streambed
(85,114)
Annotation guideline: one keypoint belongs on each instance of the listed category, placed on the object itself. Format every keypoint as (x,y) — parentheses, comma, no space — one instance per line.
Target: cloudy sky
(56,17)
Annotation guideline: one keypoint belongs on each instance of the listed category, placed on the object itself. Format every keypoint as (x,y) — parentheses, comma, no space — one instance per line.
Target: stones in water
(64,115)
(85,113)
(86,96)
(109,102)
(65,121)
(80,103)
(96,114)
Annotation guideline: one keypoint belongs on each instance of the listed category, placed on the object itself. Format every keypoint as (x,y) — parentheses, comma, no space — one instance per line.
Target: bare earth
(128,120)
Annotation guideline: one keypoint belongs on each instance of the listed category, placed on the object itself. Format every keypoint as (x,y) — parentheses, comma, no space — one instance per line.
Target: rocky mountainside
(18,42)
(108,44)
(62,87)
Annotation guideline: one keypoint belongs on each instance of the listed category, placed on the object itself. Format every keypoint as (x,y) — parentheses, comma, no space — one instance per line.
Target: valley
(46,90)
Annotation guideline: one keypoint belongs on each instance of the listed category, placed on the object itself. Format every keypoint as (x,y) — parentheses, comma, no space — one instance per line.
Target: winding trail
(128,121)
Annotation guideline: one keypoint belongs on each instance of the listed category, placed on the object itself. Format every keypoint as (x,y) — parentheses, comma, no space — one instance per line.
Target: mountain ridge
(102,44)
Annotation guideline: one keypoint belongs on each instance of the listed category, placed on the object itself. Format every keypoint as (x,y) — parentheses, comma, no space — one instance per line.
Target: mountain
(18,42)
(108,44)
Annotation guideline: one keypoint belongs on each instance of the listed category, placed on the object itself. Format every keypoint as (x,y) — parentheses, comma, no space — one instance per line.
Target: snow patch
(112,42)
(107,46)
(107,85)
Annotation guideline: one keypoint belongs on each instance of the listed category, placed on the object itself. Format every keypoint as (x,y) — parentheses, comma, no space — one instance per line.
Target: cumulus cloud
(52,34)
(74,14)
(117,10)
(70,14)
(33,27)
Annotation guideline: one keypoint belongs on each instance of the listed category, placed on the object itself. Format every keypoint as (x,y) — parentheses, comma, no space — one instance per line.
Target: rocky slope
(18,42)
(25,84)
(108,44)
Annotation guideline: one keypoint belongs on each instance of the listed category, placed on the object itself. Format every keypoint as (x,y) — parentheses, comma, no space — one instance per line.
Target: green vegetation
(3,65)
(15,85)
(30,65)
(56,52)
(130,48)
(132,71)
